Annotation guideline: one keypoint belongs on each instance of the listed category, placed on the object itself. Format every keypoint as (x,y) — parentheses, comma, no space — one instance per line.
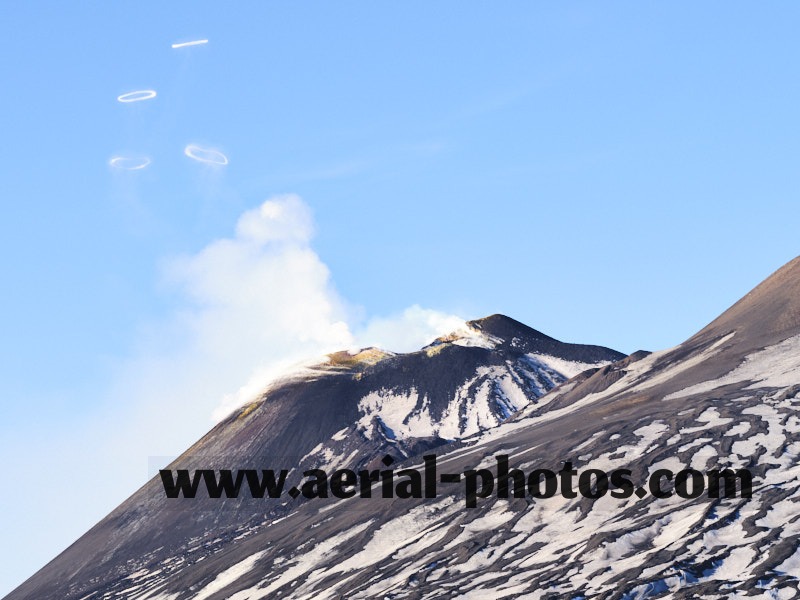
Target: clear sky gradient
(608,173)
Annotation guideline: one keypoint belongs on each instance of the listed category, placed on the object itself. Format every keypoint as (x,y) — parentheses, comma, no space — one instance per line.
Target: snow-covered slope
(727,397)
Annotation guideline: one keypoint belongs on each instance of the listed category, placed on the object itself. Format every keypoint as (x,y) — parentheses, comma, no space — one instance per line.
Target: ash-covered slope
(349,412)
(728,397)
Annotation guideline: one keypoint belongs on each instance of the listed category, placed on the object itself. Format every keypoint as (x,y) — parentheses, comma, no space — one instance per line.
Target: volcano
(727,398)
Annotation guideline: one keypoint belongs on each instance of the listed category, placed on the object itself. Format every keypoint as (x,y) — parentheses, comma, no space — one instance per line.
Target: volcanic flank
(726,397)
(349,411)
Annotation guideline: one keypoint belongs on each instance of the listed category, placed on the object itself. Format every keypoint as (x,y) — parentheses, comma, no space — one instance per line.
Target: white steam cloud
(265,300)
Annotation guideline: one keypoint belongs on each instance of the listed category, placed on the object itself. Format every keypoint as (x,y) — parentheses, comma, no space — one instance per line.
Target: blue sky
(616,174)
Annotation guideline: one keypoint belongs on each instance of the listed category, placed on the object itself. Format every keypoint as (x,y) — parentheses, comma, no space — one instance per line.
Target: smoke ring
(192,43)
(137,96)
(205,155)
(129,163)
